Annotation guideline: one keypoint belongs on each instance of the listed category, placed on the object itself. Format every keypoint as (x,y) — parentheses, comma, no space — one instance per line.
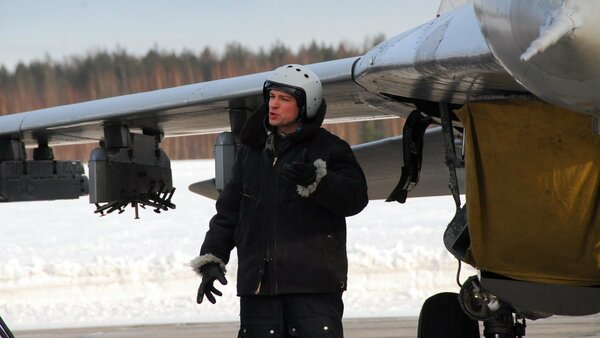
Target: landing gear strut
(504,326)
(481,305)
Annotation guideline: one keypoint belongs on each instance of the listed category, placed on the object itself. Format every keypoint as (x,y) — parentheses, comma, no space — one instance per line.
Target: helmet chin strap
(266,125)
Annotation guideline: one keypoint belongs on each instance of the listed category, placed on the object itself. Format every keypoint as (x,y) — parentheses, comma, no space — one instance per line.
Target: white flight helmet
(302,83)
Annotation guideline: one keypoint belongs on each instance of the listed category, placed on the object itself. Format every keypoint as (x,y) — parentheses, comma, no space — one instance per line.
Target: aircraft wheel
(442,317)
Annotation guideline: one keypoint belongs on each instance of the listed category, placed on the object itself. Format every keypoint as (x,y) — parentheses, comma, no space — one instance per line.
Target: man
(284,210)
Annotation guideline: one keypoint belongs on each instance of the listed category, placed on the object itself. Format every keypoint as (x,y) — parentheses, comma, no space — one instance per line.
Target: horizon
(164,52)
(36,30)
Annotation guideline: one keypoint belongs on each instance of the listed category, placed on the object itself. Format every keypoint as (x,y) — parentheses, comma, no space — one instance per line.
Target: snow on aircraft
(513,87)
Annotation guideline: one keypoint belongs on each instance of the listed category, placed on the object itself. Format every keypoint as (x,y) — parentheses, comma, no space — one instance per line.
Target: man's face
(283,111)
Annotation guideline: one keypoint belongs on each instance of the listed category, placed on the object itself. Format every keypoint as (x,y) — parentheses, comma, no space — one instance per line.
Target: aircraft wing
(191,109)
(445,60)
(453,59)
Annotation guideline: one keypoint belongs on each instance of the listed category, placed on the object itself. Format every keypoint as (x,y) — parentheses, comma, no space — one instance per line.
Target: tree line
(103,74)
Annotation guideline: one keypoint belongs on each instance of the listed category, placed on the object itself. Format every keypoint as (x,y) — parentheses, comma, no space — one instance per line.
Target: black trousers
(296,315)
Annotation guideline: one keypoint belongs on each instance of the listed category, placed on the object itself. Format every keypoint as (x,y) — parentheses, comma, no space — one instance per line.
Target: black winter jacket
(289,239)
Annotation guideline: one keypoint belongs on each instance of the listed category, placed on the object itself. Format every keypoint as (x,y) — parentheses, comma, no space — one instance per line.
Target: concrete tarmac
(553,327)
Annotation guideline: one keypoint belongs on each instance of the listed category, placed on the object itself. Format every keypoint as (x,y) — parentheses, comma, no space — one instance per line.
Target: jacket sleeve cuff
(321,171)
(200,261)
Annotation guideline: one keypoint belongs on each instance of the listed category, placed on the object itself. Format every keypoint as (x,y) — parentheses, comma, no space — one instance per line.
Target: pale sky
(33,29)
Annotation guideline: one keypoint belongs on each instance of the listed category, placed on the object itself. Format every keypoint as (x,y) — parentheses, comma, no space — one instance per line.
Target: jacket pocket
(249,203)
(250,197)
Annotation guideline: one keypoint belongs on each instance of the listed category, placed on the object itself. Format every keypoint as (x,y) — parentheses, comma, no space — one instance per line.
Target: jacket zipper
(274,267)
(272,259)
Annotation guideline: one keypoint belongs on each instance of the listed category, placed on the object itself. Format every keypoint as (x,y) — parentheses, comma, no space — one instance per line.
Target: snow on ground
(64,266)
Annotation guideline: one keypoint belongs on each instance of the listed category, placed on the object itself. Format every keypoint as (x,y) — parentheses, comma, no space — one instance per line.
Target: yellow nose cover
(533,192)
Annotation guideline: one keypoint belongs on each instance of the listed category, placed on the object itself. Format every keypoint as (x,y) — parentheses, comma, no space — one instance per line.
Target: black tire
(442,317)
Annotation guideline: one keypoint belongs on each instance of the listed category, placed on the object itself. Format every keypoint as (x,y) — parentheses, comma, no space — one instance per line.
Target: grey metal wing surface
(191,109)
(444,60)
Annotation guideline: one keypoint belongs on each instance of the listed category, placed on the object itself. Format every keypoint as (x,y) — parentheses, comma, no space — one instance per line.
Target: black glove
(210,272)
(300,172)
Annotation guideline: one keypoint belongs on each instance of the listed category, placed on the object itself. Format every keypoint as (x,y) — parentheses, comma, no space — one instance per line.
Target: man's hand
(210,273)
(300,172)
